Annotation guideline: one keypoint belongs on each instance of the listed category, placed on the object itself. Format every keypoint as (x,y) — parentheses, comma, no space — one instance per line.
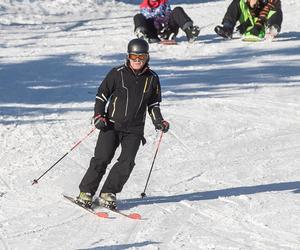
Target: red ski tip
(102,214)
(135,216)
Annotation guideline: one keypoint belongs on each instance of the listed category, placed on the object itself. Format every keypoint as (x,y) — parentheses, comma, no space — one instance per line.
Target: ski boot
(85,199)
(192,33)
(140,32)
(108,200)
(224,31)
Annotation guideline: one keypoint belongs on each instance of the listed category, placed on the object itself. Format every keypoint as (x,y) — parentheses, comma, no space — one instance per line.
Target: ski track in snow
(226,175)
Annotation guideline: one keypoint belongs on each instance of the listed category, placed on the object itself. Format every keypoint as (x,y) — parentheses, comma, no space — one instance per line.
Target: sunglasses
(138,57)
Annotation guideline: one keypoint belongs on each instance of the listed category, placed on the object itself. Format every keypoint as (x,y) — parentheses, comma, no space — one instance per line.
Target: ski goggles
(138,57)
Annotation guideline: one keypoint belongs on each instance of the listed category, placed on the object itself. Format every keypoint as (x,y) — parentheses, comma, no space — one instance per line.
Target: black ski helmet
(138,46)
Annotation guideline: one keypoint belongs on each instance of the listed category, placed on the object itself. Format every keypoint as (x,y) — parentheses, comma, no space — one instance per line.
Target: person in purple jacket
(157,21)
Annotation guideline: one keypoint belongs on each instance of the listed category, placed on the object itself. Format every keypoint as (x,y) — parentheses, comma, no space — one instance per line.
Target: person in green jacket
(256,18)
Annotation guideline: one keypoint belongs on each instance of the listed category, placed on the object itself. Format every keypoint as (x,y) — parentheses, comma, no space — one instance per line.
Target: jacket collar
(145,69)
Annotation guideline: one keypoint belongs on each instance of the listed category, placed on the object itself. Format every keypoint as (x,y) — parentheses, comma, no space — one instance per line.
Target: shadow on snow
(232,72)
(123,246)
(214,38)
(211,195)
(25,87)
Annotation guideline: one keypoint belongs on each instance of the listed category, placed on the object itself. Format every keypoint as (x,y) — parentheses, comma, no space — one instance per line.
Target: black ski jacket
(123,97)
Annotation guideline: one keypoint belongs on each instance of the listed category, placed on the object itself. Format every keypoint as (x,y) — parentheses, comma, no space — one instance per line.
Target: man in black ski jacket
(120,111)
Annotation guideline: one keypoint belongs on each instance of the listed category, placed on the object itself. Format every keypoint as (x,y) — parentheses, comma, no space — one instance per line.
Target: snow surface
(227,174)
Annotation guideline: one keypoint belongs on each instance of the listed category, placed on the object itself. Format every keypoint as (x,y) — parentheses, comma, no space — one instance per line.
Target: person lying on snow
(256,18)
(156,21)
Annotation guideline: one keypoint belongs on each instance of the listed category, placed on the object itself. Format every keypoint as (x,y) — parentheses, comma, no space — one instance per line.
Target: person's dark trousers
(121,171)
(276,19)
(179,19)
(147,24)
(232,14)
(107,144)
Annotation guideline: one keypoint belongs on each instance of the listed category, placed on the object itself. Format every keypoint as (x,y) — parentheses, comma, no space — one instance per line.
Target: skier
(156,21)
(256,17)
(127,91)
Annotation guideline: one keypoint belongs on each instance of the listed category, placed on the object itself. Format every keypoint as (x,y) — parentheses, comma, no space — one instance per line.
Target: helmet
(138,46)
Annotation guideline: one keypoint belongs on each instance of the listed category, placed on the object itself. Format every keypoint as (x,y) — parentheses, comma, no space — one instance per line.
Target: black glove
(100,122)
(242,28)
(162,125)
(255,30)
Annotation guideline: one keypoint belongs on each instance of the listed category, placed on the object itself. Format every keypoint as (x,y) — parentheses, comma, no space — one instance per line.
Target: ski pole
(143,194)
(35,181)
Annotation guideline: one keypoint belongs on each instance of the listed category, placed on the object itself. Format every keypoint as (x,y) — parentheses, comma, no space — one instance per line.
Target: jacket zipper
(145,88)
(123,85)
(114,107)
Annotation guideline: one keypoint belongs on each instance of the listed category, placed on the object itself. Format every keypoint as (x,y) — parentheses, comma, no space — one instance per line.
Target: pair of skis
(101,214)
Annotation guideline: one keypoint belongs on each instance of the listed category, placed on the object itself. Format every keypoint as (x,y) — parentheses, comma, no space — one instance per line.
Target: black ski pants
(178,19)
(107,144)
(234,13)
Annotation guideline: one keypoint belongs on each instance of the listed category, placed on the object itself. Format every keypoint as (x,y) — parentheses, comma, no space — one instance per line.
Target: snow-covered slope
(227,173)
